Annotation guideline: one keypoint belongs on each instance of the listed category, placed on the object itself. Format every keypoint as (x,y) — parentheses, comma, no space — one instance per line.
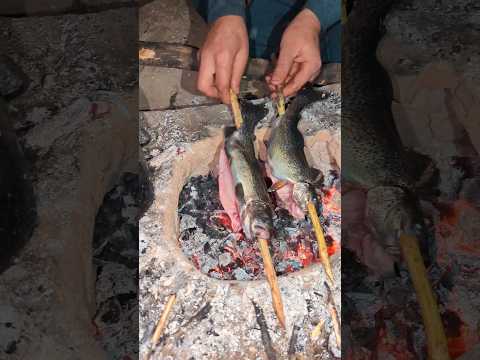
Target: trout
(286,156)
(250,189)
(372,153)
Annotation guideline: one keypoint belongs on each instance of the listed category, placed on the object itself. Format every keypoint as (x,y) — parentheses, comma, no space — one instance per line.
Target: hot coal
(207,240)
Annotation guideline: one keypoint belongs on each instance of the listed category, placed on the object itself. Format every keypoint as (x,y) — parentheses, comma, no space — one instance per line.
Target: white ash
(230,327)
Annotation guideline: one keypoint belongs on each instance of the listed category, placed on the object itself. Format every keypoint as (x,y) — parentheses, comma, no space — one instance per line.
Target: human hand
(223,58)
(299,60)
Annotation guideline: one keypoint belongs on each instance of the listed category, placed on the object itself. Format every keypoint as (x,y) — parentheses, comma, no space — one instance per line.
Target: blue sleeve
(328,11)
(217,8)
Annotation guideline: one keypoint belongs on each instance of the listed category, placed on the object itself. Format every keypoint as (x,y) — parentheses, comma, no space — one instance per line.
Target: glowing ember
(206,235)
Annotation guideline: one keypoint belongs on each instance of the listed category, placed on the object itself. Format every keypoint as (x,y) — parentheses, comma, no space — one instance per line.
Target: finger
(239,65)
(315,75)
(293,71)
(223,76)
(199,55)
(303,75)
(282,68)
(268,81)
(205,81)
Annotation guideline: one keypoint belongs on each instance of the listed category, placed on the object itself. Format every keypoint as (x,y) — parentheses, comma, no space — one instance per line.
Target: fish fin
(252,114)
(228,131)
(305,97)
(278,185)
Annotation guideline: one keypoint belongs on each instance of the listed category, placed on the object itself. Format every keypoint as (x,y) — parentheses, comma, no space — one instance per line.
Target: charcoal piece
(207,240)
(266,339)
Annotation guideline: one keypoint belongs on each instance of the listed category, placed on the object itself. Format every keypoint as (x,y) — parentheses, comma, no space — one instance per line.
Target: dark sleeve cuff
(328,11)
(218,8)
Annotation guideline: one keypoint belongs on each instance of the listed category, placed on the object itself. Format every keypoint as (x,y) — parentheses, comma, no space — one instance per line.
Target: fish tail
(252,114)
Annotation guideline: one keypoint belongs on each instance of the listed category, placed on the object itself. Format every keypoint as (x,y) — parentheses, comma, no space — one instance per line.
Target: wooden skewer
(162,323)
(262,243)
(272,281)
(317,330)
(336,325)
(436,339)
(237,114)
(322,245)
(280,103)
(334,316)
(278,185)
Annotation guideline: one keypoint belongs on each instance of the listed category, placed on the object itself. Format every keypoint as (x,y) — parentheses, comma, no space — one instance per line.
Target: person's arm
(328,12)
(218,8)
(224,54)
(299,60)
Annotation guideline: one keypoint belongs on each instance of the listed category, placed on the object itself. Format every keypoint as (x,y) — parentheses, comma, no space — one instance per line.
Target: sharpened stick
(436,339)
(280,103)
(336,325)
(277,186)
(237,114)
(162,323)
(272,281)
(322,245)
(317,330)
(262,243)
(334,316)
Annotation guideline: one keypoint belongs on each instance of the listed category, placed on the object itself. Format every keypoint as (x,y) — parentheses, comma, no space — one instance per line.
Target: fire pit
(215,316)
(206,236)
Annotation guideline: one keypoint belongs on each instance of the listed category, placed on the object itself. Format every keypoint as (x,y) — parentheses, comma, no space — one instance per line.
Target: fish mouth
(258,221)
(303,194)
(261,230)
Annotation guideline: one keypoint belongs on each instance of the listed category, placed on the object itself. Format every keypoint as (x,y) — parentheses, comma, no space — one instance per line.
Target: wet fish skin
(286,156)
(372,153)
(250,188)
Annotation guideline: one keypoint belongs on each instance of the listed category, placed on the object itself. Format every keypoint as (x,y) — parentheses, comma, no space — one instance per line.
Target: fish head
(391,212)
(257,220)
(304,193)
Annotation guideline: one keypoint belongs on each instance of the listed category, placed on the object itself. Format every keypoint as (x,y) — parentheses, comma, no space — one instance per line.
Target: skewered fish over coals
(244,176)
(286,156)
(372,154)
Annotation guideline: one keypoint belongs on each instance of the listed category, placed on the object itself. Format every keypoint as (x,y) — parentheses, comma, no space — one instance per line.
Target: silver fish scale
(286,154)
(372,153)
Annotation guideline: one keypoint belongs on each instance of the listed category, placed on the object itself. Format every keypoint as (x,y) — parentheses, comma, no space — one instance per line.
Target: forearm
(328,12)
(218,8)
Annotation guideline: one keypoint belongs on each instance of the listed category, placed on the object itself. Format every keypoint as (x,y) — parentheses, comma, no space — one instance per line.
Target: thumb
(285,62)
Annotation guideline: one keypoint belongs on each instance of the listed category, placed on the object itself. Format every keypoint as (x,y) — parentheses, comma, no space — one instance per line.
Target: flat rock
(171,21)
(163,88)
